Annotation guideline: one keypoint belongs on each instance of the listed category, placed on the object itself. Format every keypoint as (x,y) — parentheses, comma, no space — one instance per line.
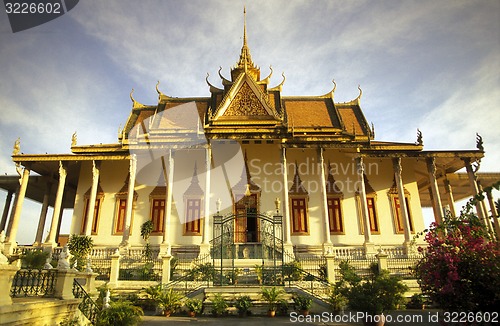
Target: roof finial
(17,147)
(244,26)
(479,142)
(245,57)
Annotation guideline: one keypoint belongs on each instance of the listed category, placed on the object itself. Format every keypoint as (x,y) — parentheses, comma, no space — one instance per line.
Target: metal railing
(34,282)
(87,306)
(136,266)
(402,267)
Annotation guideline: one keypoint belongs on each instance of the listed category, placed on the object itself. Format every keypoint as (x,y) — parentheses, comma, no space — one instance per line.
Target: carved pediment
(246,103)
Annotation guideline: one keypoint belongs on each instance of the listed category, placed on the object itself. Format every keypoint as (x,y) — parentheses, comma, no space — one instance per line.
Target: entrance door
(246,226)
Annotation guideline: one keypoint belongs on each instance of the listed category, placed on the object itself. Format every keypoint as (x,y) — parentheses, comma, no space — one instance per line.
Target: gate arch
(264,257)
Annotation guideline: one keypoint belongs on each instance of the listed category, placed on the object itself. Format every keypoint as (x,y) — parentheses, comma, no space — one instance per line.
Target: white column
(43,215)
(206,215)
(494,214)
(364,206)
(11,236)
(168,205)
(449,194)
(51,239)
(403,210)
(6,208)
(475,191)
(286,202)
(438,211)
(13,211)
(92,198)
(327,243)
(130,201)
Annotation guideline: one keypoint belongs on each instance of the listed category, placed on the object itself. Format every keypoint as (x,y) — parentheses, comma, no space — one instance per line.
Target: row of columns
(397,167)
(12,228)
(13,225)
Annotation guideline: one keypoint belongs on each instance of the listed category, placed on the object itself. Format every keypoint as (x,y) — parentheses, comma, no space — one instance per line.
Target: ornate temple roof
(244,107)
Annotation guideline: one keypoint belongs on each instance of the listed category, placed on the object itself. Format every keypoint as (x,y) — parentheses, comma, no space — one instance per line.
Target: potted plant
(194,306)
(169,300)
(219,305)
(303,303)
(374,295)
(272,296)
(243,305)
(80,246)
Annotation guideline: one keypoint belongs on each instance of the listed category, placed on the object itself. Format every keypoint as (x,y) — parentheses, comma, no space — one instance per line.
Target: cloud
(426,64)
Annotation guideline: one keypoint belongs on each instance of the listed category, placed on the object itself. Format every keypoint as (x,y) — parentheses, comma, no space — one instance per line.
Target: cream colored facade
(181,154)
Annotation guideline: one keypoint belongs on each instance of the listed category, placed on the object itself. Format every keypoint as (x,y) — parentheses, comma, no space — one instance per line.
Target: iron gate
(263,257)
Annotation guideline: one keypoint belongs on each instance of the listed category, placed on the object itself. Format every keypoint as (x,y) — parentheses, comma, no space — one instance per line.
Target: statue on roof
(73,139)
(479,142)
(420,139)
(17,146)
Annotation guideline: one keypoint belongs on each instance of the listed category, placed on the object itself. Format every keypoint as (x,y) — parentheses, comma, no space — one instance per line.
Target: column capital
(431,163)
(96,166)
(396,162)
(62,169)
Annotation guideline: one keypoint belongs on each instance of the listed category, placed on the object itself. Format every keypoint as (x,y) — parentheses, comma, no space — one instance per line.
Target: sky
(427,64)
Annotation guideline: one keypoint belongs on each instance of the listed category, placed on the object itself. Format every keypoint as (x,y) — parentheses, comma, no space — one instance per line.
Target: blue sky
(428,64)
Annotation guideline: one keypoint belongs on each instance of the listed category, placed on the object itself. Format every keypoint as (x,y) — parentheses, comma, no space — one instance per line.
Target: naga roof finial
(360,93)
(135,104)
(158,90)
(331,93)
(212,87)
(225,81)
(280,86)
(131,96)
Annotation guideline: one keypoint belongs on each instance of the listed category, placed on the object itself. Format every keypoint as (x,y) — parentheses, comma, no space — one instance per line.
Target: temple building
(226,165)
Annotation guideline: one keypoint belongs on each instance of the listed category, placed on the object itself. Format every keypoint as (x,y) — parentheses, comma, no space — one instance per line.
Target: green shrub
(243,304)
(34,259)
(219,305)
(169,300)
(302,302)
(194,305)
(120,313)
(375,294)
(80,246)
(272,296)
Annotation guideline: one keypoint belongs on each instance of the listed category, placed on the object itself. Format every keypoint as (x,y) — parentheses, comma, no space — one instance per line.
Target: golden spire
(245,63)
(245,57)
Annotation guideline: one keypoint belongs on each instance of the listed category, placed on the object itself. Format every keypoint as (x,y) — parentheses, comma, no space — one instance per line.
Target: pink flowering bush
(460,270)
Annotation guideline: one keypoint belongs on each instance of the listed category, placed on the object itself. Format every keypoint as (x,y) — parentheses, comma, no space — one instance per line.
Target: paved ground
(233,321)
(421,318)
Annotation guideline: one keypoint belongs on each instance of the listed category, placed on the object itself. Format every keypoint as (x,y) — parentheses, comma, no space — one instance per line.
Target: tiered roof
(245,107)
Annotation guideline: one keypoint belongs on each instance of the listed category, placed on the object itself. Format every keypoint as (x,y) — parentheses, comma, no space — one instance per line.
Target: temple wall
(265,168)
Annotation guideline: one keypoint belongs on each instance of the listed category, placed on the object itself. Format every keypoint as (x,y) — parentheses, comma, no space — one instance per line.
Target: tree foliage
(460,270)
